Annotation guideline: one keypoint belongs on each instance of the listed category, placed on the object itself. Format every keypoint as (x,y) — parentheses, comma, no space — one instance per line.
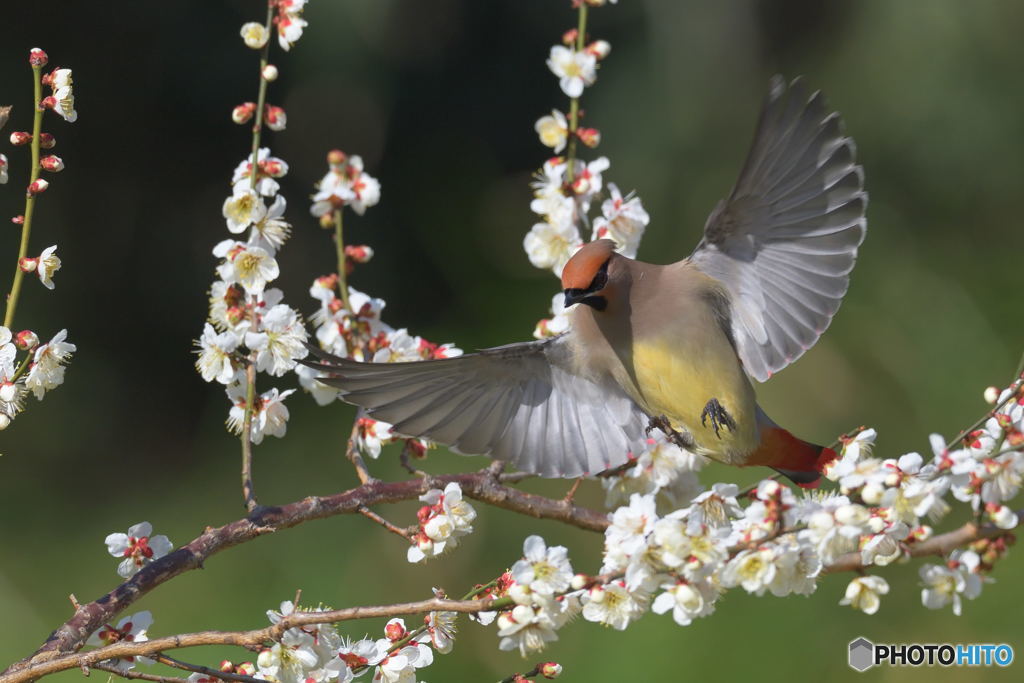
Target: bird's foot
(719,417)
(681,439)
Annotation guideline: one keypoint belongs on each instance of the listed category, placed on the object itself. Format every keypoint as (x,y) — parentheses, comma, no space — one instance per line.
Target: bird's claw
(719,417)
(681,439)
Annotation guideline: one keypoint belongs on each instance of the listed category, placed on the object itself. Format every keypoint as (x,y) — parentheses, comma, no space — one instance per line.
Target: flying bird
(668,346)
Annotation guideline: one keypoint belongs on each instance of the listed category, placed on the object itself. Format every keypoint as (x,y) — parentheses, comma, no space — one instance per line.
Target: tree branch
(248,639)
(485,486)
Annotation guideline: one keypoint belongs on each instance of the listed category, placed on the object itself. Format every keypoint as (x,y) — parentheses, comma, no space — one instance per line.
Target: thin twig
(248,489)
(205,670)
(370,514)
(136,675)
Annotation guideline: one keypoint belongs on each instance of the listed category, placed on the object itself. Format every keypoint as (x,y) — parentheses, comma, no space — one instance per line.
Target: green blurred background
(440,99)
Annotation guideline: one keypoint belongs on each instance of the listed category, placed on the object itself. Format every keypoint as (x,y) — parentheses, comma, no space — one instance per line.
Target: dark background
(440,99)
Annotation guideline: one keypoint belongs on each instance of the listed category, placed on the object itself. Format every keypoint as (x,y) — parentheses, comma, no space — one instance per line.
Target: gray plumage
(786,239)
(506,402)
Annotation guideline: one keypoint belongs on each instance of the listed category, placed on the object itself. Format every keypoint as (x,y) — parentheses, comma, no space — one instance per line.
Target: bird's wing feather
(786,239)
(521,403)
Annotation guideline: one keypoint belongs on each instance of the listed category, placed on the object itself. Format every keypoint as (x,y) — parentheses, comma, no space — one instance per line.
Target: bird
(672,347)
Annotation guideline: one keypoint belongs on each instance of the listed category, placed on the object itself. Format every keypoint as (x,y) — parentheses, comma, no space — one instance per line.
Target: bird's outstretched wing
(521,403)
(786,239)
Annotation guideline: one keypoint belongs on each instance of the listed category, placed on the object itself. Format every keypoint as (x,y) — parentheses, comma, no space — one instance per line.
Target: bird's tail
(800,461)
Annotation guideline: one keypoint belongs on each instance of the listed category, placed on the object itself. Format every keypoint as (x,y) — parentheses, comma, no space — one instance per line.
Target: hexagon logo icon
(862,654)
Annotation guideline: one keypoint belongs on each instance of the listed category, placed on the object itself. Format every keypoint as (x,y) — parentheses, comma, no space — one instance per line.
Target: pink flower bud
(394,631)
(359,253)
(28,264)
(47,141)
(599,48)
(591,137)
(48,103)
(569,37)
(235,315)
(336,157)
(52,163)
(269,73)
(37,57)
(550,669)
(275,117)
(243,112)
(227,666)
(8,392)
(246,669)
(991,394)
(38,186)
(579,581)
(20,137)
(18,220)
(423,514)
(26,339)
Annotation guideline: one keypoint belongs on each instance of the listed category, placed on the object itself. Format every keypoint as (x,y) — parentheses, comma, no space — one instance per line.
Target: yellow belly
(677,379)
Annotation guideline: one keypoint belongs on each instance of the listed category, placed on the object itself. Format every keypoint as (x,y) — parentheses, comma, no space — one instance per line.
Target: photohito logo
(864,654)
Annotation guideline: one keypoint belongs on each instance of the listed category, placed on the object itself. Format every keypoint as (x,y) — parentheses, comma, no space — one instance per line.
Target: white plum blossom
(863,593)
(291,660)
(623,221)
(215,355)
(613,605)
(550,246)
(309,380)
(271,231)
(49,263)
(47,369)
(290,22)
(254,34)
(269,415)
(268,169)
(687,600)
(251,267)
(947,585)
(138,548)
(372,435)
(346,184)
(400,666)
(545,570)
(753,569)
(445,518)
(575,70)
(553,130)
(280,341)
(63,94)
(132,629)
(353,654)
(243,208)
(529,628)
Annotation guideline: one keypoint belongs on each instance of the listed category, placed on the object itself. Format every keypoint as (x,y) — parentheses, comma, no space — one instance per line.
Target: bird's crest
(579,272)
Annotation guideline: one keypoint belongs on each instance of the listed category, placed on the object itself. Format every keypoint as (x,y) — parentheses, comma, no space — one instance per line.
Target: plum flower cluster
(443,520)
(348,322)
(249,325)
(319,653)
(674,548)
(41,366)
(566,187)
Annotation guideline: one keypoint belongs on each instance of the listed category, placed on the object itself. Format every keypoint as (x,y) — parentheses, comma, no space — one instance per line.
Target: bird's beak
(574,296)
